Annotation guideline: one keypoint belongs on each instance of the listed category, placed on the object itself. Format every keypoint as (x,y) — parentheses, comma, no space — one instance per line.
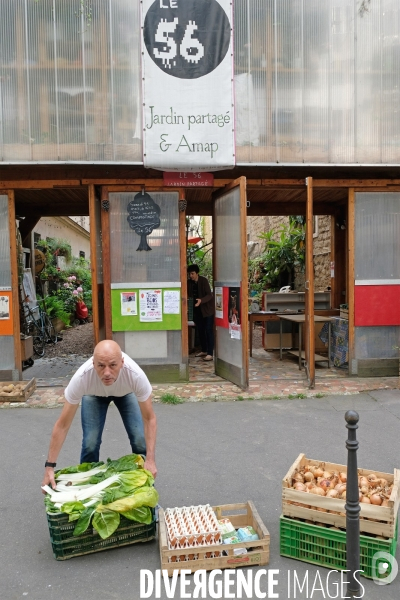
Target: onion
(365,500)
(375,499)
(364,489)
(317,490)
(300,487)
(318,472)
(385,502)
(327,475)
(343,495)
(310,484)
(325,484)
(383,482)
(340,487)
(308,476)
(298,477)
(363,481)
(373,479)
(332,494)
(343,477)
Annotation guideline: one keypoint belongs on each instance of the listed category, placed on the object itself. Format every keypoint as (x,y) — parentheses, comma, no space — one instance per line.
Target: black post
(352,505)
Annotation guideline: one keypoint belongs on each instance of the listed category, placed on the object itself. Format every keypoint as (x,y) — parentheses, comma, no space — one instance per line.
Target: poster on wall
(128,304)
(219,303)
(4,307)
(172,302)
(150,305)
(234,315)
(187,85)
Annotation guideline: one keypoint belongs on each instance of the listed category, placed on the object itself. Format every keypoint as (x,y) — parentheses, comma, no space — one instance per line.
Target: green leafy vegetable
(106,522)
(101,492)
(82,468)
(84,520)
(142,514)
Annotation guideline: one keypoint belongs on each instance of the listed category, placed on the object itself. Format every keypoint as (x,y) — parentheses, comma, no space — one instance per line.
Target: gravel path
(75,340)
(80,341)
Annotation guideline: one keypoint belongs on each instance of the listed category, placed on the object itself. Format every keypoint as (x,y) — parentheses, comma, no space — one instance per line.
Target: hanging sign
(40,261)
(187,85)
(144,216)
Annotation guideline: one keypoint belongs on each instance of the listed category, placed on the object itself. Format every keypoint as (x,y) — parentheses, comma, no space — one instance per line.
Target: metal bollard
(352,505)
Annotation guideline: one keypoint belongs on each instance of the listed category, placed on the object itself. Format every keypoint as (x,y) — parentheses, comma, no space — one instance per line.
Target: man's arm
(57,439)
(150,433)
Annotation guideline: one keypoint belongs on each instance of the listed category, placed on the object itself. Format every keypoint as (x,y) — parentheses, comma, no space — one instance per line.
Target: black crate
(65,545)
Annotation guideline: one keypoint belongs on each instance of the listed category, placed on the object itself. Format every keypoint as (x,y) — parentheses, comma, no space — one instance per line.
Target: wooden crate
(22,395)
(373,519)
(240,515)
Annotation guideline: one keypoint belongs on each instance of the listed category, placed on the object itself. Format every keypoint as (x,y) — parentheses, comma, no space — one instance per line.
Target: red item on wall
(376,305)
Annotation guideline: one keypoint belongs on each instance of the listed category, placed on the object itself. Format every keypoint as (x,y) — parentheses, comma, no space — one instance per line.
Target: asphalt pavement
(207,452)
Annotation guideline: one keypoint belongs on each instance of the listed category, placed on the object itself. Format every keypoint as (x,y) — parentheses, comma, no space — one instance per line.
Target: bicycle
(40,327)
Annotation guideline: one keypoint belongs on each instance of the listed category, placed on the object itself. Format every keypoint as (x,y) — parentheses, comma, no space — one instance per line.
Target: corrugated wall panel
(315,82)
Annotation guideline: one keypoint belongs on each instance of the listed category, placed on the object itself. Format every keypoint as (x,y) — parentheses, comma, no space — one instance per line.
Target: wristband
(49,464)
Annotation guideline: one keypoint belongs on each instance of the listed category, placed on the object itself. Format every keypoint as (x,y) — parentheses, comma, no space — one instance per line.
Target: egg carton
(191,527)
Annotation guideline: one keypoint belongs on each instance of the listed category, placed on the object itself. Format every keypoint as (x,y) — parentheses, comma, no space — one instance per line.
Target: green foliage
(284,250)
(55,308)
(200,256)
(297,396)
(168,398)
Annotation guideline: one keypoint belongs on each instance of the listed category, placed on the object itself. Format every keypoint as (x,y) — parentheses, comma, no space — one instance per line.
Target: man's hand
(150,465)
(49,478)
(198,302)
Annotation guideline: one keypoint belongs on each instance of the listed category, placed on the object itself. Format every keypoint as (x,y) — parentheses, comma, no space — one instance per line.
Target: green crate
(327,547)
(65,545)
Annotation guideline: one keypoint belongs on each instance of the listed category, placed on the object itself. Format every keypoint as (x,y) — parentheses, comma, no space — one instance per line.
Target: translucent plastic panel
(151,347)
(162,263)
(377,342)
(377,236)
(69,75)
(316,82)
(228,236)
(7,360)
(231,353)
(5,266)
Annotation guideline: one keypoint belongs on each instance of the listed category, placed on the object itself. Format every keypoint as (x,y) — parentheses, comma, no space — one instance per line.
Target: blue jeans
(93,416)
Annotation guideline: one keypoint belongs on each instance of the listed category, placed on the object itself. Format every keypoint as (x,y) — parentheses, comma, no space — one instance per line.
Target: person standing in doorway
(203,311)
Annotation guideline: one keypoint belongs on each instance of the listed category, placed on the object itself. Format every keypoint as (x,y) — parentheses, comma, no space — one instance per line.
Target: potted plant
(55,309)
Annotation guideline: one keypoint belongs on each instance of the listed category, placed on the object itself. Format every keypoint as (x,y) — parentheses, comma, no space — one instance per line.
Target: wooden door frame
(309,326)
(14,283)
(240,183)
(105,225)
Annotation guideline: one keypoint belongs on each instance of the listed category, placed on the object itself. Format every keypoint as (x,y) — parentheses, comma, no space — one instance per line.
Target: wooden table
(300,319)
(262,315)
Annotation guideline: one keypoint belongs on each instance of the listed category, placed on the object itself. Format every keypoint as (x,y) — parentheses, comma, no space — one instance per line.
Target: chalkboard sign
(144,216)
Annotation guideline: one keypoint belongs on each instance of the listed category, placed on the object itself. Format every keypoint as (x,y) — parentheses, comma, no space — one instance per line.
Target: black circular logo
(187,38)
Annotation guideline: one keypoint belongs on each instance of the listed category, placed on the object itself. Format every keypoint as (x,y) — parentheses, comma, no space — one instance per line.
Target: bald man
(110,375)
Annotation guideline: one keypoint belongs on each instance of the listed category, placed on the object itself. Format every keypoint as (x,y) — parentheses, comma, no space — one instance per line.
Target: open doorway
(285,294)
(54,254)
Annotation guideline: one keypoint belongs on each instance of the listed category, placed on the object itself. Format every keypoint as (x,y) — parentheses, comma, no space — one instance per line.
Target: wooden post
(350,274)
(14,283)
(105,229)
(93,263)
(309,329)
(182,240)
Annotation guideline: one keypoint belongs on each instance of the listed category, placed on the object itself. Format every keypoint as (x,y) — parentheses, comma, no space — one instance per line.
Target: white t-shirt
(130,379)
